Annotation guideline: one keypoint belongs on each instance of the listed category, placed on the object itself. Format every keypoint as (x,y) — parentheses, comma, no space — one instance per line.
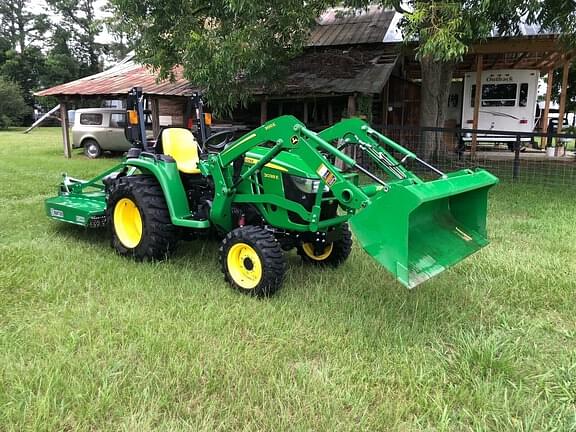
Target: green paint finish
(76,209)
(76,204)
(415,229)
(420,230)
(169,178)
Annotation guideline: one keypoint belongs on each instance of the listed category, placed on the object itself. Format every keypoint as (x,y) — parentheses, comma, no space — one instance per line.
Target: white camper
(508,103)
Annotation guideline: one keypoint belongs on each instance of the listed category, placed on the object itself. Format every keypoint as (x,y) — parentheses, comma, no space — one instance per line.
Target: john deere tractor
(276,188)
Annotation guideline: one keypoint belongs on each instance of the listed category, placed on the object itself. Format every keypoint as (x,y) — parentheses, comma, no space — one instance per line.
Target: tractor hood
(285,162)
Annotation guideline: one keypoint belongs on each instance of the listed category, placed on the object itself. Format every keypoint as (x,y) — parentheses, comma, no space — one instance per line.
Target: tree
(21,33)
(80,26)
(24,69)
(60,64)
(121,44)
(4,48)
(12,105)
(224,45)
(19,26)
(570,91)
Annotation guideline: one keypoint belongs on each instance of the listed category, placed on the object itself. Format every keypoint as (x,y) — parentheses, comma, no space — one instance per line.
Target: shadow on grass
(93,236)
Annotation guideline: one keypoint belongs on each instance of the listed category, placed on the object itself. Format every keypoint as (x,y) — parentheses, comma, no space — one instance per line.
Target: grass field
(90,341)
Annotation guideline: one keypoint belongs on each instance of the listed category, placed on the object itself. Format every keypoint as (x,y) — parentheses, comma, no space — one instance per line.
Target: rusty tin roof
(119,79)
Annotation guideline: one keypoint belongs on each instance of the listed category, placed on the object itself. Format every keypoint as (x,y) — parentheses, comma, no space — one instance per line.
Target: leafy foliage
(227,46)
(24,68)
(19,26)
(81,26)
(445,29)
(12,105)
(37,50)
(570,91)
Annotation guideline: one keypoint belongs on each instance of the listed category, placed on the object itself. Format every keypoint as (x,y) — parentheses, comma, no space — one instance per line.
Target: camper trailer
(508,103)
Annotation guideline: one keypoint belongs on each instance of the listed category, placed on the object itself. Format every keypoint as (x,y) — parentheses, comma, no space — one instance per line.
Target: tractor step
(87,210)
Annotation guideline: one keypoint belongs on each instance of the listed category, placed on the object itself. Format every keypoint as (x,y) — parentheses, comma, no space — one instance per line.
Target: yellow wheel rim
(308,249)
(128,223)
(244,265)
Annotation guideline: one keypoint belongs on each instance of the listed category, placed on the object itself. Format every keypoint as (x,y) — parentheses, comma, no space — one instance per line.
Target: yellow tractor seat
(182,146)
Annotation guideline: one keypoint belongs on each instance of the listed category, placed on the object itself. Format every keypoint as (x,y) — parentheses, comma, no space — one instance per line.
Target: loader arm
(355,131)
(284,133)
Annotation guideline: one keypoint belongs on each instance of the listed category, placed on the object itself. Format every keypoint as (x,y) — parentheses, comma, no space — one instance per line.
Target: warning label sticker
(56,213)
(326,175)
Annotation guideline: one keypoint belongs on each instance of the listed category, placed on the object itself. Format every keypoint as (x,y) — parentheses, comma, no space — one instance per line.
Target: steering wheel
(219,140)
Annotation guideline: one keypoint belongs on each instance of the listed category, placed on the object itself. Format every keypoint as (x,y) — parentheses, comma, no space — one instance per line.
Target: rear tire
(139,218)
(334,253)
(92,149)
(252,261)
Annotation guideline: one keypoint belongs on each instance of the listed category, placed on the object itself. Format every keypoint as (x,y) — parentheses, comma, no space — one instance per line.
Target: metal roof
(340,26)
(524,29)
(330,70)
(337,71)
(119,79)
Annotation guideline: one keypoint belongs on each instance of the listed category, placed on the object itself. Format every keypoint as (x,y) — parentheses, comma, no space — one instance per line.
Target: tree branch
(397,5)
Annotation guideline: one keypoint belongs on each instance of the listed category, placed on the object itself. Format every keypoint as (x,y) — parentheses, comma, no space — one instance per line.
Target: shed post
(65,126)
(330,113)
(155,105)
(305,114)
(477,96)
(549,82)
(563,90)
(263,110)
(351,113)
(385,96)
(352,105)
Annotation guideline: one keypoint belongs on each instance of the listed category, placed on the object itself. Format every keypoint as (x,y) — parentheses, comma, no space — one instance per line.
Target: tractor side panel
(169,178)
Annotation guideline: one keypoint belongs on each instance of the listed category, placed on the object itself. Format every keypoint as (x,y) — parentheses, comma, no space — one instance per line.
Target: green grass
(92,341)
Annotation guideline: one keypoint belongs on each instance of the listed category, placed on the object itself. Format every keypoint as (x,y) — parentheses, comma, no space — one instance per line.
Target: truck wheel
(252,261)
(92,149)
(139,218)
(334,253)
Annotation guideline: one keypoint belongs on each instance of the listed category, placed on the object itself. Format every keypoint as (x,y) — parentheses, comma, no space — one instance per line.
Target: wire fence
(531,158)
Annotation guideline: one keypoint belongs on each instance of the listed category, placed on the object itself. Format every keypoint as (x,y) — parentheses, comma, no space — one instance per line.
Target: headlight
(307,185)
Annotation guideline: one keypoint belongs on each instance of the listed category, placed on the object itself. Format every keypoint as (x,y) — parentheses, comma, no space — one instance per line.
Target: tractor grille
(292,193)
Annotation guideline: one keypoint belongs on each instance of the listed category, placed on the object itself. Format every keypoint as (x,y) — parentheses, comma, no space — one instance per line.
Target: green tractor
(279,187)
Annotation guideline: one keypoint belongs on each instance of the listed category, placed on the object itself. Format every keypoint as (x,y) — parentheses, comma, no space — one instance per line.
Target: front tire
(139,218)
(332,254)
(252,261)
(92,149)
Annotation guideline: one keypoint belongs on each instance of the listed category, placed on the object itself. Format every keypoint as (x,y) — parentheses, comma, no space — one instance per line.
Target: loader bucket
(417,231)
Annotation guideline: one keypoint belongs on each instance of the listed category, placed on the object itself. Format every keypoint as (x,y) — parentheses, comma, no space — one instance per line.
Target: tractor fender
(169,179)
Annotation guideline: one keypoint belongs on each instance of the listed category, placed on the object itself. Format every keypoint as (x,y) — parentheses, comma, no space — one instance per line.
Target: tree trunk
(436,81)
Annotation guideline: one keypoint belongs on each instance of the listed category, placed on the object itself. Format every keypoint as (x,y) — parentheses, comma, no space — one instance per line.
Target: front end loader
(277,188)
